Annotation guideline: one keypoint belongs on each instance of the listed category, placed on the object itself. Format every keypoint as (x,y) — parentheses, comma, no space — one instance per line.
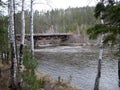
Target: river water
(78,65)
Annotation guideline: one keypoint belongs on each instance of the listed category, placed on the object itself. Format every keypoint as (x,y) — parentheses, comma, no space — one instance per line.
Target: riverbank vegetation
(71,20)
(30,80)
(68,20)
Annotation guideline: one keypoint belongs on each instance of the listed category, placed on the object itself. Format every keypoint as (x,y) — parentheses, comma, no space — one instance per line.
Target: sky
(72,3)
(44,5)
(52,4)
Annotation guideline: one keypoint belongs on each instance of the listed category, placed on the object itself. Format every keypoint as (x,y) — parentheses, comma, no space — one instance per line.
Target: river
(78,65)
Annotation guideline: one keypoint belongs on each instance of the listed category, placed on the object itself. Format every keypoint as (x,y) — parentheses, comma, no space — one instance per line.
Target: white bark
(101,47)
(13,46)
(23,24)
(21,46)
(9,19)
(97,80)
(31,28)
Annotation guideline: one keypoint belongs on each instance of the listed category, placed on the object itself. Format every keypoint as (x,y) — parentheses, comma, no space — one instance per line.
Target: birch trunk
(23,24)
(13,47)
(31,28)
(97,80)
(21,46)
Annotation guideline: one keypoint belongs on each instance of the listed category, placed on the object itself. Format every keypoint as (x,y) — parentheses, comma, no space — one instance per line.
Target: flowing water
(78,65)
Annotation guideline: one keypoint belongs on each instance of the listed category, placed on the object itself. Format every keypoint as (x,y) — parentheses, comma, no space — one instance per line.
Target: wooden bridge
(45,38)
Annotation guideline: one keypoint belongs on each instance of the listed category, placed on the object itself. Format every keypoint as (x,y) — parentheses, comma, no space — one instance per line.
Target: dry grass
(51,84)
(4,77)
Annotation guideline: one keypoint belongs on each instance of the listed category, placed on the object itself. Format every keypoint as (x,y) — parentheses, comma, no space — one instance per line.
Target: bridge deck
(48,34)
(45,38)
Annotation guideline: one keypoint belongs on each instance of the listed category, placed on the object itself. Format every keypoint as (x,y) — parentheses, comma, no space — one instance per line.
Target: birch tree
(13,47)
(98,76)
(21,46)
(111,28)
(31,28)
(97,80)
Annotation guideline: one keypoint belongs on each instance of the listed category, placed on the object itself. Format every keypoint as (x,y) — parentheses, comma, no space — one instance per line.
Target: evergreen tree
(4,50)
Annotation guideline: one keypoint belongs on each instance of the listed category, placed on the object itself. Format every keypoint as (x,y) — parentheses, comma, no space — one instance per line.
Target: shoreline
(52,84)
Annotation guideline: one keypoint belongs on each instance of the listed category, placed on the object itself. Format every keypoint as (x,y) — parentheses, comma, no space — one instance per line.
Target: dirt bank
(52,84)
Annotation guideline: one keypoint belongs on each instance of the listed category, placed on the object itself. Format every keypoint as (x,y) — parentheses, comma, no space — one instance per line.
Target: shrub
(30,80)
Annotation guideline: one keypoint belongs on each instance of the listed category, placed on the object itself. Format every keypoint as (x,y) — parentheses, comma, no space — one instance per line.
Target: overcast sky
(52,4)
(72,3)
(63,4)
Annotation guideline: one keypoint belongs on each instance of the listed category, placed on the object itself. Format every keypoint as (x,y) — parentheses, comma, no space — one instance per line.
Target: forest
(77,67)
(71,20)
(61,21)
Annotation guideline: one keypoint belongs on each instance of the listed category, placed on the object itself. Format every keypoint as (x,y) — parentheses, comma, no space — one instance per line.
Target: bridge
(45,38)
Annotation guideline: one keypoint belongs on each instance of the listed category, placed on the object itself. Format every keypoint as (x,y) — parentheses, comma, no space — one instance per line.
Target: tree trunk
(2,57)
(7,57)
(31,29)
(23,24)
(119,62)
(13,47)
(97,80)
(20,67)
(21,47)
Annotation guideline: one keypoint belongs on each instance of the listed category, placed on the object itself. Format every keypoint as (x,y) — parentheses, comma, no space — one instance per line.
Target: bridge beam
(46,38)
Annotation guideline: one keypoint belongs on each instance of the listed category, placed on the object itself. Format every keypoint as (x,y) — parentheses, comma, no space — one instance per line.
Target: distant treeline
(73,20)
